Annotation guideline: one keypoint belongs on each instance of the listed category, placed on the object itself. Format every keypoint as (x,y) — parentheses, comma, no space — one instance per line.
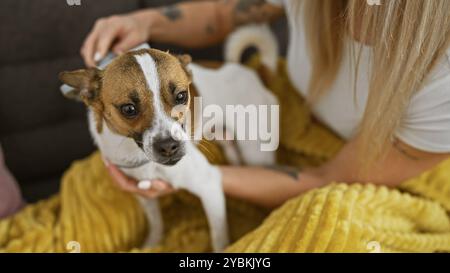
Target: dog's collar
(131,166)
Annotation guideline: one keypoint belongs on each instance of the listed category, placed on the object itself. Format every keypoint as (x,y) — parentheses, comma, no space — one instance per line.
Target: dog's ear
(87,83)
(185,60)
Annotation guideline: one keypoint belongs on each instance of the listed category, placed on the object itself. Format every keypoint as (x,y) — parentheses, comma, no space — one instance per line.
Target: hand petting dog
(157,188)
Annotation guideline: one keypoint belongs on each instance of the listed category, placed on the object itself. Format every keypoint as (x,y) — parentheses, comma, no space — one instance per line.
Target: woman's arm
(271,187)
(189,24)
(267,187)
(203,23)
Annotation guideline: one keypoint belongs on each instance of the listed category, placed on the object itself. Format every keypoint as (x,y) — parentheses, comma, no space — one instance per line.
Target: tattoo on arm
(292,172)
(210,29)
(245,5)
(173,13)
(254,11)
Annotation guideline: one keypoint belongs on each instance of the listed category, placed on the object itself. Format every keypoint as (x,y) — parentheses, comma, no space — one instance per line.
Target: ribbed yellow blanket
(91,215)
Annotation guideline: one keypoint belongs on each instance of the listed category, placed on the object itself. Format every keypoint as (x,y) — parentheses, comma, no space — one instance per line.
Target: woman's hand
(157,188)
(118,33)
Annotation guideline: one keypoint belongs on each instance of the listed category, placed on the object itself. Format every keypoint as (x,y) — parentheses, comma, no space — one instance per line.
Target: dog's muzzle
(168,151)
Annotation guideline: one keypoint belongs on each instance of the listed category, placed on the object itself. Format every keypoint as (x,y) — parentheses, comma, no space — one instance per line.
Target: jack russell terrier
(130,103)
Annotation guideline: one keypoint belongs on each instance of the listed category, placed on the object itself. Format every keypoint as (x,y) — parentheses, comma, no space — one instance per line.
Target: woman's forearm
(191,24)
(203,23)
(267,187)
(271,187)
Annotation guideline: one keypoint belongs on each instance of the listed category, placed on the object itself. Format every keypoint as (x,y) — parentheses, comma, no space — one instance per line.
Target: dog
(130,117)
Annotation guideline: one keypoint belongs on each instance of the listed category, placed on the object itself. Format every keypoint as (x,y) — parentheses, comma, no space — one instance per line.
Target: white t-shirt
(426,125)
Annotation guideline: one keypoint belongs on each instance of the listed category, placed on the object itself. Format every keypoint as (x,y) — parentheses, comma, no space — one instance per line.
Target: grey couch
(41,132)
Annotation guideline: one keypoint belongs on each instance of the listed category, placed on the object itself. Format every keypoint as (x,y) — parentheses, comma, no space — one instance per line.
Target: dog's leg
(214,206)
(154,218)
(212,197)
(206,183)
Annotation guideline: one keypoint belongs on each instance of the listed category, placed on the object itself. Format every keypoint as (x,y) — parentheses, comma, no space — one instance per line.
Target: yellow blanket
(91,215)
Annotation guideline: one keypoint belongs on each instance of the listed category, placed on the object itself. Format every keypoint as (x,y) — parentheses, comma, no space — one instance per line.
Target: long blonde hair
(407,38)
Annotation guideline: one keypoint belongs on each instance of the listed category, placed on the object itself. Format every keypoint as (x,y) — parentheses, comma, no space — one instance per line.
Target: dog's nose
(167,147)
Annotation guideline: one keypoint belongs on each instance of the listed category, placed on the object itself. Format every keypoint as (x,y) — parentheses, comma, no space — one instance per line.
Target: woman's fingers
(100,39)
(121,179)
(109,32)
(162,186)
(158,188)
(87,50)
(128,42)
(118,32)
(146,188)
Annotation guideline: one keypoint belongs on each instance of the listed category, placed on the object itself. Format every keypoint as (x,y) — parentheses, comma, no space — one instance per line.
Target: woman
(378,75)
(10,197)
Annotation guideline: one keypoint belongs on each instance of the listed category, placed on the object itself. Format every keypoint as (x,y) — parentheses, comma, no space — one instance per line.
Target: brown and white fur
(143,145)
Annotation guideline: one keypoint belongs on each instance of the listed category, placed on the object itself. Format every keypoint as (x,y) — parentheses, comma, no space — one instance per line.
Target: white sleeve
(426,125)
(276,2)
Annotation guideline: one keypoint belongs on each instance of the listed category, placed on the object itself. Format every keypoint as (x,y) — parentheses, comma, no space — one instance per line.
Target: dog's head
(136,95)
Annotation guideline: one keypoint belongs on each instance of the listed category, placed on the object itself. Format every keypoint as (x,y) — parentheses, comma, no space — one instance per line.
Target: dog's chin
(169,161)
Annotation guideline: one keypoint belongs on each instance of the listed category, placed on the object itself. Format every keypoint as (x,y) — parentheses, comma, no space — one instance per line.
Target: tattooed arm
(272,187)
(202,23)
(189,24)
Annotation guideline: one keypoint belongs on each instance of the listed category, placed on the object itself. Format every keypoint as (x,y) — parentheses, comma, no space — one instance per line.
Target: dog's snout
(167,147)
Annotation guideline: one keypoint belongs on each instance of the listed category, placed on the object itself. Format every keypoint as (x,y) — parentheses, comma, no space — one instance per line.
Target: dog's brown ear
(86,82)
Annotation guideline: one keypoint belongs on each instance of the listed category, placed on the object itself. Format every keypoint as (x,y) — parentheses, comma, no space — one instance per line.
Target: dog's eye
(129,110)
(181,98)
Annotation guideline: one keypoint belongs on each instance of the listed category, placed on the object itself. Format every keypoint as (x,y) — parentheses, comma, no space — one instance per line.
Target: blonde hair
(407,38)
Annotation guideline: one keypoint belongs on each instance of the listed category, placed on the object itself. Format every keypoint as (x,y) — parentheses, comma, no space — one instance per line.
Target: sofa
(41,132)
